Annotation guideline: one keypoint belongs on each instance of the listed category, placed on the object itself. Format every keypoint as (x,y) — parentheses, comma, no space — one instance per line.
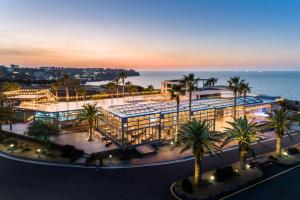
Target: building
(133,121)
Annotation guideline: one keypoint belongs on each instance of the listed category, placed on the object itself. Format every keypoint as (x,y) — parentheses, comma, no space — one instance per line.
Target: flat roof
(138,109)
(78,105)
(141,105)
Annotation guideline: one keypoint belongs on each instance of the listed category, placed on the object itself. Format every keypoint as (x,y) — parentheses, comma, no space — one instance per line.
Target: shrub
(69,151)
(292,150)
(187,186)
(273,158)
(224,173)
(41,129)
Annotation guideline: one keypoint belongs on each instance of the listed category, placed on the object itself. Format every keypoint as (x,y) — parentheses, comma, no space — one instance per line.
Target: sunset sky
(152,34)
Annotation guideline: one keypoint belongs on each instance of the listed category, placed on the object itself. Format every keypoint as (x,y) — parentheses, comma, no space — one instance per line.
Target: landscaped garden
(37,145)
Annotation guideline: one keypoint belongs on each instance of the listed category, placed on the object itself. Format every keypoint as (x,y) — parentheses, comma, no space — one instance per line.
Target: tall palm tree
(117,82)
(195,135)
(110,87)
(176,91)
(245,132)
(123,76)
(234,86)
(77,85)
(190,83)
(278,120)
(55,87)
(67,80)
(244,89)
(82,92)
(89,114)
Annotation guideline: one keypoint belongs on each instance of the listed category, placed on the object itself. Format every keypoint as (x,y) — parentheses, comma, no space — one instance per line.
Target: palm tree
(234,86)
(176,91)
(245,132)
(123,76)
(117,82)
(214,81)
(244,89)
(190,83)
(195,135)
(67,80)
(82,92)
(55,87)
(89,114)
(278,120)
(77,85)
(7,114)
(110,87)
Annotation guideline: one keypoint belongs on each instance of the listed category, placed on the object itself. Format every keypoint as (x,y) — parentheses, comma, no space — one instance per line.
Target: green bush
(187,186)
(224,173)
(69,151)
(42,130)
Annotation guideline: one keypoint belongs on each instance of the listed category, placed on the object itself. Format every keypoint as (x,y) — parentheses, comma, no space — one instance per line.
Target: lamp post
(38,151)
(11,147)
(110,162)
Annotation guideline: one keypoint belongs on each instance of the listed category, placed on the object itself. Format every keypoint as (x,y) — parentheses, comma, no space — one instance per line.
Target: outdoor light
(11,145)
(212,177)
(236,170)
(172,143)
(110,156)
(38,150)
(284,153)
(247,166)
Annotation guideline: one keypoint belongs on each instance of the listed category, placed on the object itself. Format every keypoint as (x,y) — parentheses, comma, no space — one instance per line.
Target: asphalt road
(284,187)
(26,181)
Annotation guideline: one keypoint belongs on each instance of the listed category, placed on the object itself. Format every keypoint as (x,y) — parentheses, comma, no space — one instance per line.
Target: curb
(73,165)
(243,189)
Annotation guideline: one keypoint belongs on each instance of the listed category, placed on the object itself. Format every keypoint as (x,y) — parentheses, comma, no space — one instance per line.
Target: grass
(215,189)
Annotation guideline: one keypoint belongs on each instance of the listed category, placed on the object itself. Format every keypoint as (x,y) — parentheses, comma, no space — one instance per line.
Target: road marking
(260,182)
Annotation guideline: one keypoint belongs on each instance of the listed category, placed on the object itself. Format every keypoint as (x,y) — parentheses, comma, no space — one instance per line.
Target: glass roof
(137,109)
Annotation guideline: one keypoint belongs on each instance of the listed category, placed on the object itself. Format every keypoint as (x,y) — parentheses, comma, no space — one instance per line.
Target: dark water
(276,83)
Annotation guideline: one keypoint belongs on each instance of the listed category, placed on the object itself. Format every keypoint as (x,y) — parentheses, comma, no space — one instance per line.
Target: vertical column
(159,127)
(122,129)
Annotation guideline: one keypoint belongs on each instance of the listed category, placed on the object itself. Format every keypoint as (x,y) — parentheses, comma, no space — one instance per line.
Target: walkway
(79,141)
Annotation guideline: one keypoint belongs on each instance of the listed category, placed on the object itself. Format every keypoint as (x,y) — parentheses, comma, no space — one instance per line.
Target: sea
(274,83)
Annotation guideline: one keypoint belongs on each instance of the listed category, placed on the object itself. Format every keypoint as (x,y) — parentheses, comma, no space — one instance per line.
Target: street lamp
(38,151)
(110,157)
(11,147)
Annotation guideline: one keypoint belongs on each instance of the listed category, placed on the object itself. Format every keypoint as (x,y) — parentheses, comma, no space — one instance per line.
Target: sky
(152,34)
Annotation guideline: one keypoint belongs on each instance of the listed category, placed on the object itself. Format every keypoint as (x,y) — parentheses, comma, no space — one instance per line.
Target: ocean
(275,83)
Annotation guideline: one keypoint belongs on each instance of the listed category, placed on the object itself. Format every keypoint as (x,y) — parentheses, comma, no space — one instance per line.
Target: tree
(55,87)
(176,91)
(278,120)
(123,76)
(77,85)
(195,135)
(190,83)
(89,114)
(244,89)
(234,86)
(42,130)
(82,92)
(245,132)
(117,82)
(67,80)
(110,88)
(10,86)
(211,82)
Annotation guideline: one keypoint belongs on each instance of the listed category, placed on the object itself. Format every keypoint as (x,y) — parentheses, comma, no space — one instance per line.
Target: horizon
(150,35)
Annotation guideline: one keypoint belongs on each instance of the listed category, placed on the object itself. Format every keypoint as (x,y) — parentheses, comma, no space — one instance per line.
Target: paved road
(34,182)
(285,187)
